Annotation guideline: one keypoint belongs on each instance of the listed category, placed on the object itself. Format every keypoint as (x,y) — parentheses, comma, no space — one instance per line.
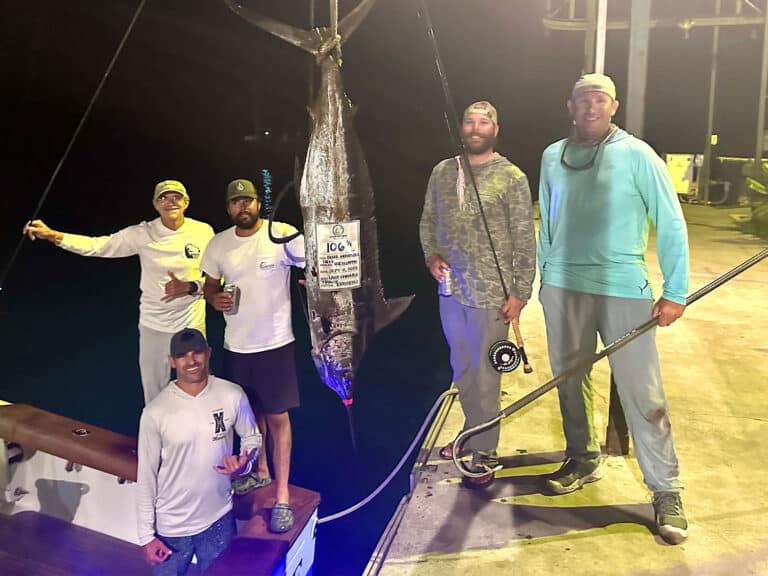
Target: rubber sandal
(261,482)
(282,518)
(243,484)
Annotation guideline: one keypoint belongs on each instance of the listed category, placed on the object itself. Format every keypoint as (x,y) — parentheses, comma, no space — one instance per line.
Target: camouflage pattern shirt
(452,226)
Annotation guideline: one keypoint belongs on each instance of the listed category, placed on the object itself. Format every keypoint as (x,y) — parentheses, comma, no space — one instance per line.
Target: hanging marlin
(345,298)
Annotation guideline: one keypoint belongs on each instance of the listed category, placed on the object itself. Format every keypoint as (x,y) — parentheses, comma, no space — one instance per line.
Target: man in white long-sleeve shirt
(169,248)
(186,461)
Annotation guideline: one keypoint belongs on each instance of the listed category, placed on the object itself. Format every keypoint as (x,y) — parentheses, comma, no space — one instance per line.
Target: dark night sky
(194,79)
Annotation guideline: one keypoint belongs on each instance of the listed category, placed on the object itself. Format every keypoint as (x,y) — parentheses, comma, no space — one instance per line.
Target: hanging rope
(72,140)
(435,406)
(334,10)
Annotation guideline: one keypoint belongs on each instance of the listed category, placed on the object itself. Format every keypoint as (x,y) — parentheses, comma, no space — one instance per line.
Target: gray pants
(470,333)
(154,348)
(574,319)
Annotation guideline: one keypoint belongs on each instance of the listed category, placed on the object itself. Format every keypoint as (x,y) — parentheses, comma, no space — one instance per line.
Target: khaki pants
(574,319)
(470,333)
(154,348)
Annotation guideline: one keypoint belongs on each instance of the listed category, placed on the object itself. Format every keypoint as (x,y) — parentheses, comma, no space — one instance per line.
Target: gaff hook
(582,367)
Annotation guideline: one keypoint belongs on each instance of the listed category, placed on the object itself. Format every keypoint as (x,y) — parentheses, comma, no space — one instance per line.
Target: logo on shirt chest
(266,266)
(191,251)
(219,426)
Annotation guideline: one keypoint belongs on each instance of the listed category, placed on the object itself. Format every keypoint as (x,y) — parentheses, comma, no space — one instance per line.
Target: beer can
(445,288)
(233,291)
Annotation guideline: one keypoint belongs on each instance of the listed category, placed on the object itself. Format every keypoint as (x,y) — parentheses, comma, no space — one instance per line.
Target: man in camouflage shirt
(456,244)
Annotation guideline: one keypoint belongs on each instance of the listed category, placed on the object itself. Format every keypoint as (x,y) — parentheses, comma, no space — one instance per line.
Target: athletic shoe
(670,517)
(573,474)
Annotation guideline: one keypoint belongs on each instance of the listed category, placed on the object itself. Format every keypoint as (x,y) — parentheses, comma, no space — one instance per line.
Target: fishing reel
(504,356)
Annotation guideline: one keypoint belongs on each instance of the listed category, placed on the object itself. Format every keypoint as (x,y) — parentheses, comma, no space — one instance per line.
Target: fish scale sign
(338,255)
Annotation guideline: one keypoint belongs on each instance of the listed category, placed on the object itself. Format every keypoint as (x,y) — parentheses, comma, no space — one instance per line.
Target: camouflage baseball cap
(482,107)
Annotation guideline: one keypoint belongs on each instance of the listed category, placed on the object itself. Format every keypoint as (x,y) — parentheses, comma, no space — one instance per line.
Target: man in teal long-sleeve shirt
(598,191)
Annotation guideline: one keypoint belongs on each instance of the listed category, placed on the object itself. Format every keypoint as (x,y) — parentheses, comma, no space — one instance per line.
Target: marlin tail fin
(308,40)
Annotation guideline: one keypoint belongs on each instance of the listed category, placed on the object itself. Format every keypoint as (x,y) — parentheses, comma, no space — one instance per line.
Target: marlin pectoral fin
(304,39)
(387,311)
(351,21)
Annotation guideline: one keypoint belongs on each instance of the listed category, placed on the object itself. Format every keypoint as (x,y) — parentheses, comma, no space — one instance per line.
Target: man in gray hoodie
(458,251)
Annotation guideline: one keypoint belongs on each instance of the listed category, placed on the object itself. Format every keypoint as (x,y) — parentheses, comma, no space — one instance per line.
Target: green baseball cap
(241,188)
(169,186)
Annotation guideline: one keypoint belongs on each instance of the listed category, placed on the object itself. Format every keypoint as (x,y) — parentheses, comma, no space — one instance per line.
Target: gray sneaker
(573,474)
(670,517)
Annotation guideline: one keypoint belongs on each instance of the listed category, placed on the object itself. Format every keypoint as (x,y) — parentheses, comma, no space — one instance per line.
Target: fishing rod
(503,354)
(585,365)
(72,140)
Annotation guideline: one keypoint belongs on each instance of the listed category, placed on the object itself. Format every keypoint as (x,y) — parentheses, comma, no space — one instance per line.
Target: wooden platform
(256,551)
(70,439)
(33,543)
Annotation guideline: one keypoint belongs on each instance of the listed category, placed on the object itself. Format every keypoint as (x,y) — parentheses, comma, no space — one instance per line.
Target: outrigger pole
(73,138)
(582,367)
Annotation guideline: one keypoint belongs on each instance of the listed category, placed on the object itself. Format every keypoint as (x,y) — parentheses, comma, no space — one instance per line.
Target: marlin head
(335,363)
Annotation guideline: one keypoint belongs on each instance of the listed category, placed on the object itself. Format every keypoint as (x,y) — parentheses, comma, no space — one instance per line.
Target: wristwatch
(192,288)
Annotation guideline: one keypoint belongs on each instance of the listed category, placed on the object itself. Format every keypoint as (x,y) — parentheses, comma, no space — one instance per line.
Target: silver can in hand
(234,292)
(445,288)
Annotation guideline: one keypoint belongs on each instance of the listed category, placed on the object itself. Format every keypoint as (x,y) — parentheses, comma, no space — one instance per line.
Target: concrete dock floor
(715,369)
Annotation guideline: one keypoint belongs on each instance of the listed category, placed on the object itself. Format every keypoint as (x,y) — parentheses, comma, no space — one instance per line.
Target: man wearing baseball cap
(258,338)
(598,190)
(169,249)
(185,461)
(456,245)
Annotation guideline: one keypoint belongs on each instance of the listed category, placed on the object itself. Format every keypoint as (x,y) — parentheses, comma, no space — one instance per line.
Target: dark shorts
(268,378)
